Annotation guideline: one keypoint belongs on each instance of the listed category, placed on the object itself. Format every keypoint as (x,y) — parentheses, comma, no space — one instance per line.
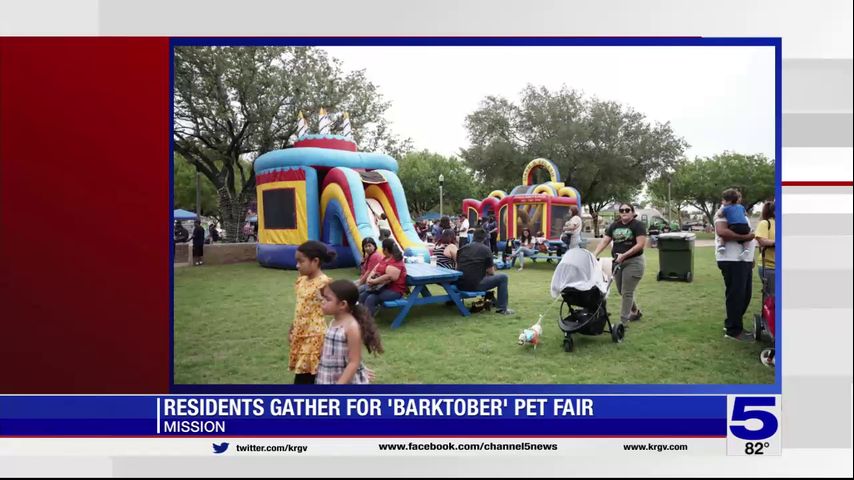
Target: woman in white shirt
(572,228)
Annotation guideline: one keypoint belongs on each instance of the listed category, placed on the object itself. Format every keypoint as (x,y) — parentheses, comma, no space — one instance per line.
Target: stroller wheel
(618,332)
(757,327)
(568,344)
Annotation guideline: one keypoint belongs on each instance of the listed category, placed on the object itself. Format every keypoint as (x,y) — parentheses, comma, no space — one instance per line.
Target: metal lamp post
(441,186)
(669,210)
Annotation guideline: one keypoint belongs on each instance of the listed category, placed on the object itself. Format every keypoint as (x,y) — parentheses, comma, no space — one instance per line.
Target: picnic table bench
(420,276)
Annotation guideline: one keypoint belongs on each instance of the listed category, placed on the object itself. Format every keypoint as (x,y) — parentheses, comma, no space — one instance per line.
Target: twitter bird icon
(221,448)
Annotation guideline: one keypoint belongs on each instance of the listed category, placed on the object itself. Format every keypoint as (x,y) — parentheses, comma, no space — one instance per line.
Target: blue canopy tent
(181,214)
(429,216)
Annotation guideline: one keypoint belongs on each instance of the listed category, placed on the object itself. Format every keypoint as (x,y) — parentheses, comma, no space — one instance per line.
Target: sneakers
(721,249)
(744,336)
(744,254)
(506,311)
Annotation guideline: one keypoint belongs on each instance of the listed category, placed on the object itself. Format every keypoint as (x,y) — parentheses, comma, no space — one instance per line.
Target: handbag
(375,288)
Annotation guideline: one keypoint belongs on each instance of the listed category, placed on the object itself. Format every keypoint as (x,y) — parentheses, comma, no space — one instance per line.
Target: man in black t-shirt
(475,261)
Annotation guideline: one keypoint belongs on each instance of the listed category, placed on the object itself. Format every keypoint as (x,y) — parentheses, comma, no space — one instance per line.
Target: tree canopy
(604,149)
(419,172)
(233,104)
(699,183)
(184,192)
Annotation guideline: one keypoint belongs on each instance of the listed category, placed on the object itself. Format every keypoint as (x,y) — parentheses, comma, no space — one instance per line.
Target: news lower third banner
(741,420)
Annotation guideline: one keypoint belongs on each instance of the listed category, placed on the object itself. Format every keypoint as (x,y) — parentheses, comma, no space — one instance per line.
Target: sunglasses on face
(625,210)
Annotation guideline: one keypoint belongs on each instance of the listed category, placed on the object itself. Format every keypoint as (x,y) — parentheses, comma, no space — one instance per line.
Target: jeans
(492,281)
(738,279)
(769,275)
(627,279)
(521,253)
(373,300)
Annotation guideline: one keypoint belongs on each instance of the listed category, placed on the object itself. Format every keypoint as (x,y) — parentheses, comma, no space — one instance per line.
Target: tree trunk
(595,215)
(233,213)
(710,216)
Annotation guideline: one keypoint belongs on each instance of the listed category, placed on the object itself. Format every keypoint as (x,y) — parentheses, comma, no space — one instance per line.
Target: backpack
(483,304)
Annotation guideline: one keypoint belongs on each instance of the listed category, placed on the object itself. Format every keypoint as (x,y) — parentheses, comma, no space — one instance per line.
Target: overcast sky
(717,98)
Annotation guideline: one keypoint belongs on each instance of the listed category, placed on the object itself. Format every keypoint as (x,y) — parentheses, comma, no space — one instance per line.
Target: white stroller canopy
(578,269)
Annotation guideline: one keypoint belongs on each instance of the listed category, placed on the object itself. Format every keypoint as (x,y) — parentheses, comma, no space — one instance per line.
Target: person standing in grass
(352,326)
(572,228)
(463,231)
(305,335)
(629,237)
(198,243)
(765,238)
(736,267)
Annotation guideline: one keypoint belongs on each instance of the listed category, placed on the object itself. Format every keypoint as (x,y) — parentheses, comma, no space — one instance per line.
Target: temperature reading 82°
(755,448)
(753,425)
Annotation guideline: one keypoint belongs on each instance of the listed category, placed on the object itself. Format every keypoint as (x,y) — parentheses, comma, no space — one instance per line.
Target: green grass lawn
(231,327)
(704,235)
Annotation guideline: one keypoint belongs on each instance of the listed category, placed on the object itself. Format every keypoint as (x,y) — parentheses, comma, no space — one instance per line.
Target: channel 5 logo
(761,409)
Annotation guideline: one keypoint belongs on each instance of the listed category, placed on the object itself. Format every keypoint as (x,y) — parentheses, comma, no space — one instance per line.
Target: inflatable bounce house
(324,189)
(541,207)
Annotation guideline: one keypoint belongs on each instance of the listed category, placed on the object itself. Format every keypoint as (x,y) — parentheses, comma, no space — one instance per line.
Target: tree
(184,189)
(420,171)
(604,149)
(657,193)
(233,104)
(700,183)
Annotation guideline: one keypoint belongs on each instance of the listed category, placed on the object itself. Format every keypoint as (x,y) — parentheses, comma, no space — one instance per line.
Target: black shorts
(740,228)
(198,250)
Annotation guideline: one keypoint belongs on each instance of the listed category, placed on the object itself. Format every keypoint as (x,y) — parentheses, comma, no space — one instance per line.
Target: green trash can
(676,256)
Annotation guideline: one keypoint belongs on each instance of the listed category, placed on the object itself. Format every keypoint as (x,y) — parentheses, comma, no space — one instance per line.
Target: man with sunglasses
(629,237)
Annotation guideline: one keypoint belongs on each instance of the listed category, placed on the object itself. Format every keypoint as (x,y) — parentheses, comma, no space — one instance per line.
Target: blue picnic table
(419,276)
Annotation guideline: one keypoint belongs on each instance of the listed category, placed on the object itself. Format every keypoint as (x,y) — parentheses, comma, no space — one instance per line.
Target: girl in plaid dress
(341,358)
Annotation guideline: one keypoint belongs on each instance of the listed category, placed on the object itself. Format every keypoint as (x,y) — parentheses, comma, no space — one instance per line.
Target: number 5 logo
(742,413)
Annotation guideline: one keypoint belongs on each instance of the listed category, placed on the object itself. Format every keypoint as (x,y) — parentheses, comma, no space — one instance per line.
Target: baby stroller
(764,321)
(579,281)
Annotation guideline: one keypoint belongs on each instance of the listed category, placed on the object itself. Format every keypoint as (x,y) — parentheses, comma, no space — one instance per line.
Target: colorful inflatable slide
(324,189)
